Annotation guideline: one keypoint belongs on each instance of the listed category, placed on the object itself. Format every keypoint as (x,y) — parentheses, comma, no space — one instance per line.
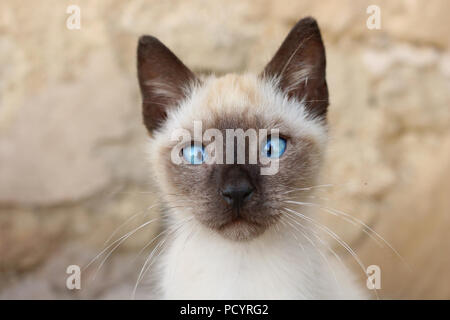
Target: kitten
(231,231)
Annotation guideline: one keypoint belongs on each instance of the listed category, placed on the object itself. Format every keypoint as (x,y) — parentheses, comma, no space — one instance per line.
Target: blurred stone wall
(72,157)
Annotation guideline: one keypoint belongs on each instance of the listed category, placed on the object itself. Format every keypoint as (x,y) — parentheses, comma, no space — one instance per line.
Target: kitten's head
(289,99)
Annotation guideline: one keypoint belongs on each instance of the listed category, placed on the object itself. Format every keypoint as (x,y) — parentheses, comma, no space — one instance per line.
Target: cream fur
(199,263)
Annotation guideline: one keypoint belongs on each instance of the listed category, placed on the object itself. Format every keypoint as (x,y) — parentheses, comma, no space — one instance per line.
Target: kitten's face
(235,199)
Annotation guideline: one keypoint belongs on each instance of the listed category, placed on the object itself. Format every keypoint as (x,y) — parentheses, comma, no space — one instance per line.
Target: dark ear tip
(308,21)
(307,25)
(146,41)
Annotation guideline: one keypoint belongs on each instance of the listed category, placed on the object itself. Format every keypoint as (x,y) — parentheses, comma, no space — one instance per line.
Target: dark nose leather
(237,191)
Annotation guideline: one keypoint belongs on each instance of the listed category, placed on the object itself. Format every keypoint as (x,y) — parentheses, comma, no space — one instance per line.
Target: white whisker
(353,220)
(125,236)
(146,266)
(303,232)
(335,237)
(129,219)
(332,234)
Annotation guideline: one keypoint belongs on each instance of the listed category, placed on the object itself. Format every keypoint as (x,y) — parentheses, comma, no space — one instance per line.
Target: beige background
(72,158)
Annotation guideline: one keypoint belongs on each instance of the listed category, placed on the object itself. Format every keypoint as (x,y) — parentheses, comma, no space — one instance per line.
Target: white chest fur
(200,264)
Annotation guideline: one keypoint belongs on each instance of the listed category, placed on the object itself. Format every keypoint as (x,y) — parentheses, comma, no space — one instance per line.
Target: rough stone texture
(72,156)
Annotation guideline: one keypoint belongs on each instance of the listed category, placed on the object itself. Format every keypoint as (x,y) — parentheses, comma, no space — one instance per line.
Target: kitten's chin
(242,230)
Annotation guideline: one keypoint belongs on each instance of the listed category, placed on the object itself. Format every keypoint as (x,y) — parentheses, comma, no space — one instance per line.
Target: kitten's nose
(237,192)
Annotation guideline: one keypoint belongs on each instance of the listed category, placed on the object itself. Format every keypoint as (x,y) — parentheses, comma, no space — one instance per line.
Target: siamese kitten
(233,232)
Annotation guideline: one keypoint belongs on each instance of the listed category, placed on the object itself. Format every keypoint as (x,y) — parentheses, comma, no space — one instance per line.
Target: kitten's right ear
(299,66)
(163,80)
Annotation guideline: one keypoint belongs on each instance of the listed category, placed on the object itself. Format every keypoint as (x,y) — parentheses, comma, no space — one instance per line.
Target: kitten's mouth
(236,222)
(243,229)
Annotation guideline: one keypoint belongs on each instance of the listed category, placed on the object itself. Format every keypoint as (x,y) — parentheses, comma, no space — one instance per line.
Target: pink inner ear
(299,66)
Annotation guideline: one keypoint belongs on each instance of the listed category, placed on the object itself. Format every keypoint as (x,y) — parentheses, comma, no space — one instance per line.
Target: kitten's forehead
(231,100)
(233,92)
(246,102)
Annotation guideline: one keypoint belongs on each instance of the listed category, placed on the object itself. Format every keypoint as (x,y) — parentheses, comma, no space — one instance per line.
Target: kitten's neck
(199,263)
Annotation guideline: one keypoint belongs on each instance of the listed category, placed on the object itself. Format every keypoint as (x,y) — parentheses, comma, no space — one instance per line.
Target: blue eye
(194,154)
(274,147)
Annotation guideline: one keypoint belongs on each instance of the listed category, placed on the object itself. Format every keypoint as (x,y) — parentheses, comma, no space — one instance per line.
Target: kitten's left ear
(163,79)
(299,65)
